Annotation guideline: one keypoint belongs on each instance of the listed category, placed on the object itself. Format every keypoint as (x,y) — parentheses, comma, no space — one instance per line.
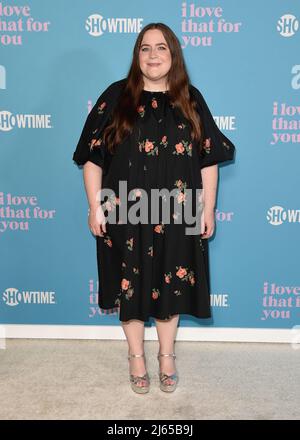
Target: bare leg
(134,331)
(166,332)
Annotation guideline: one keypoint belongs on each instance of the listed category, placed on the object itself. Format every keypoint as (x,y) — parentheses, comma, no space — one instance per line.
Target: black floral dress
(154,269)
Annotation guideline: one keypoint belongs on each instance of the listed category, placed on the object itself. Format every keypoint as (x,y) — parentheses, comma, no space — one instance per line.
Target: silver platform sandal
(163,376)
(134,380)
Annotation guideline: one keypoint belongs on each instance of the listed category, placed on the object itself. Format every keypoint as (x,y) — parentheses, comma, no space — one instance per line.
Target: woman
(152,129)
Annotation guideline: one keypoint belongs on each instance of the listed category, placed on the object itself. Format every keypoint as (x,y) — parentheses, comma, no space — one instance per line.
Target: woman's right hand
(97,221)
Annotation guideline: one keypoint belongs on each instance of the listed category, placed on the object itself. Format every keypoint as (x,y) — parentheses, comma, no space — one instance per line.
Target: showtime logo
(13,297)
(8,121)
(96,25)
(219,300)
(277,215)
(287,25)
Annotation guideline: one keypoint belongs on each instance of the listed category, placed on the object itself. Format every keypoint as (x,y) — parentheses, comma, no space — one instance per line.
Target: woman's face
(154,56)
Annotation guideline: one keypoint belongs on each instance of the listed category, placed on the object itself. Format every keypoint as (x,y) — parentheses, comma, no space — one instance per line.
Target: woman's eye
(160,47)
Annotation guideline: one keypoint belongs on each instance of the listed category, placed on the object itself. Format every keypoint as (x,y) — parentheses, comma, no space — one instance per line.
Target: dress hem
(147,318)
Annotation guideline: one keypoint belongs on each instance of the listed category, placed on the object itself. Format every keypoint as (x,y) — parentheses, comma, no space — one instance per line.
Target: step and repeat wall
(57,57)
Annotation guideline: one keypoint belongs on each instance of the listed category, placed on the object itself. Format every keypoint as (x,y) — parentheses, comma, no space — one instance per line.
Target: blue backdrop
(56,59)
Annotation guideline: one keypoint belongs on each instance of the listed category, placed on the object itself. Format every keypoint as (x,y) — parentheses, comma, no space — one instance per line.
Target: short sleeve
(90,146)
(99,154)
(216,147)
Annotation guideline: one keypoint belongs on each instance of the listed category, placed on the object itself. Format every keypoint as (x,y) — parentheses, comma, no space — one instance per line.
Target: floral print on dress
(226,145)
(184,275)
(150,251)
(177,292)
(180,194)
(111,203)
(136,270)
(129,244)
(160,229)
(141,110)
(207,145)
(168,276)
(108,240)
(154,103)
(183,147)
(180,184)
(149,147)
(127,288)
(181,126)
(176,215)
(95,143)
(155,293)
(164,141)
(136,193)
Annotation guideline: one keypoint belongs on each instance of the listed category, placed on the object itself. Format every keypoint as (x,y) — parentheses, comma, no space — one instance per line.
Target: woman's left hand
(207,223)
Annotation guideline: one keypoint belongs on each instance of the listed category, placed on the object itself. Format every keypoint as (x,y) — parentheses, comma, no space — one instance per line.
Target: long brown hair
(125,113)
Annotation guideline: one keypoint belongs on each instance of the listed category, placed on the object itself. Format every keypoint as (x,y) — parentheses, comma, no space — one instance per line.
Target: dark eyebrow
(158,44)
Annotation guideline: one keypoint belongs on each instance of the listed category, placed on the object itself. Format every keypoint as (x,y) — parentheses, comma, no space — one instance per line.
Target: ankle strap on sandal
(166,355)
(135,355)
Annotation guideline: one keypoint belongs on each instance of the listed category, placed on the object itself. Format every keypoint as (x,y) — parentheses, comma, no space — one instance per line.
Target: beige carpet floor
(71,379)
